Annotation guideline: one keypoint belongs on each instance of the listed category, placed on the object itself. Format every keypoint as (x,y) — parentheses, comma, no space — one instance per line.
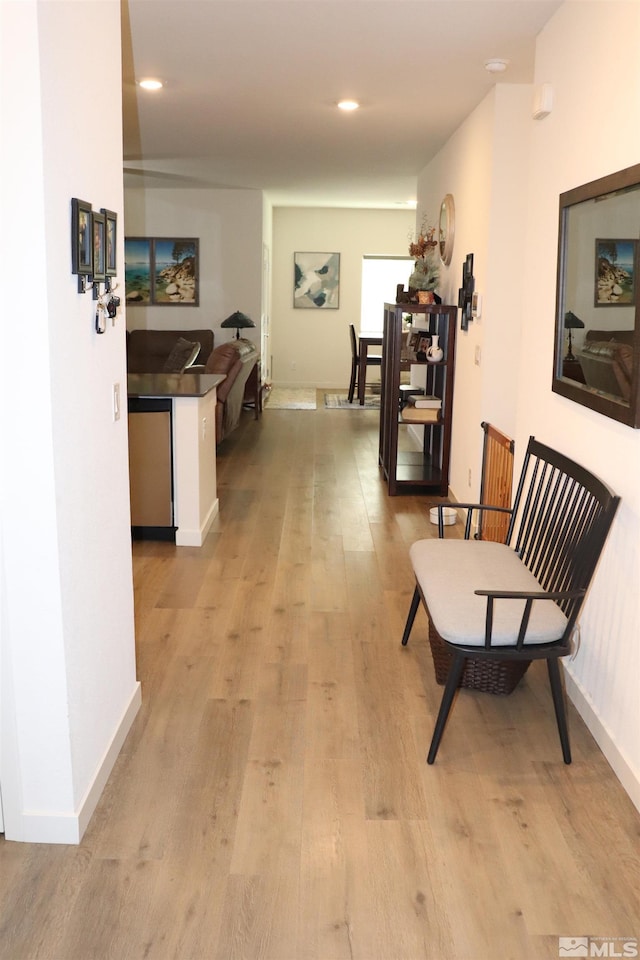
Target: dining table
(365,340)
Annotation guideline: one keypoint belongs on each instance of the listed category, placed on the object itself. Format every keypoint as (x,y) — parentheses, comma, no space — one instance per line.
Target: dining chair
(372,361)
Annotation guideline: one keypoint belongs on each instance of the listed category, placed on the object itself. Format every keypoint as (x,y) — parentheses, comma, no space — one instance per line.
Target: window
(380,277)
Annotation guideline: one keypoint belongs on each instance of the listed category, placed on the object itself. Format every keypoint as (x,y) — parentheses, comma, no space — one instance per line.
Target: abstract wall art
(316,281)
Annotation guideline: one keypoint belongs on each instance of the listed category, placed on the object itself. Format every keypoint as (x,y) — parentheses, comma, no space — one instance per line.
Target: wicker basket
(490,676)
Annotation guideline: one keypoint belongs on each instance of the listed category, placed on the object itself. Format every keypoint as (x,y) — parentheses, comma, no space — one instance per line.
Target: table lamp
(238,320)
(571,322)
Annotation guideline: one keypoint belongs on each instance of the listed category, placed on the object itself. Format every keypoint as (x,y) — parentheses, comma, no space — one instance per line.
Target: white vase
(434,353)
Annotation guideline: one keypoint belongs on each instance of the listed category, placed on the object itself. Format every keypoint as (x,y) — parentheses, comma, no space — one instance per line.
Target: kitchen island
(172,455)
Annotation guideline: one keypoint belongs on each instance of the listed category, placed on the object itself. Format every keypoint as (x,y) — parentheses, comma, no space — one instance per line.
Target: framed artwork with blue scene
(615,273)
(161,271)
(316,281)
(137,270)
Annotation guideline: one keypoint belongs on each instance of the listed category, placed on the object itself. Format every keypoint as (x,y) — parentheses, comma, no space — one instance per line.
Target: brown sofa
(149,350)
(606,359)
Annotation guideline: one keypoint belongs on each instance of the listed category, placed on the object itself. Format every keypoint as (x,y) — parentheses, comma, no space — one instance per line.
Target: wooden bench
(493,607)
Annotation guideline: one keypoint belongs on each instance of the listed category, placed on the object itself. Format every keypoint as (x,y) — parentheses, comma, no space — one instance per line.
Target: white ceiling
(251,87)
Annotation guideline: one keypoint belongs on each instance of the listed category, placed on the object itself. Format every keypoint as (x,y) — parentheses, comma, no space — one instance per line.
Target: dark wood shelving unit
(426,469)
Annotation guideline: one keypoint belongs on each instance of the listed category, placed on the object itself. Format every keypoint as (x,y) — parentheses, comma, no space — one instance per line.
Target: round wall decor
(446,229)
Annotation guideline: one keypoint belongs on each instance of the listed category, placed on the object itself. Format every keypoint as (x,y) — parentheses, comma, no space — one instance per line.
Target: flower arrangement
(424,251)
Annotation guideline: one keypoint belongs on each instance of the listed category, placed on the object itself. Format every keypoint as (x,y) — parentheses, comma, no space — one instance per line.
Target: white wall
(69,691)
(506,172)
(485,167)
(228,224)
(580,45)
(311,347)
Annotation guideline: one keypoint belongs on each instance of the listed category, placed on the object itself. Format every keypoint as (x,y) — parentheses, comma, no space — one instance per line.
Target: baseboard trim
(40,827)
(195,538)
(620,766)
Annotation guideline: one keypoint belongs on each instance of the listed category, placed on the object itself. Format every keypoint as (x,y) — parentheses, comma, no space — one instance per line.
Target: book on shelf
(408,392)
(413,414)
(428,402)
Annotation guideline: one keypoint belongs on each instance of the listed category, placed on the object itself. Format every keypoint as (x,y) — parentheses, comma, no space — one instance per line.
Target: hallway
(272,800)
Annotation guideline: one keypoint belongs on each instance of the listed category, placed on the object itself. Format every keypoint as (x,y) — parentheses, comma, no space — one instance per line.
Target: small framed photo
(423,345)
(99,246)
(468,266)
(414,340)
(81,238)
(615,273)
(110,265)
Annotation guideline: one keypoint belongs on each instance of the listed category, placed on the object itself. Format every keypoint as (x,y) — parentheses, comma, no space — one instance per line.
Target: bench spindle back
(561,516)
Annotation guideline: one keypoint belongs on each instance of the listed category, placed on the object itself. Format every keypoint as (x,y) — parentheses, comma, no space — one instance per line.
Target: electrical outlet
(115,401)
(469,477)
(204,428)
(476,356)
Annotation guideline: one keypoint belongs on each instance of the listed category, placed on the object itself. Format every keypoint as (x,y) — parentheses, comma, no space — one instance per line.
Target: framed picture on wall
(99,246)
(110,267)
(81,238)
(137,271)
(175,271)
(615,273)
(161,271)
(316,283)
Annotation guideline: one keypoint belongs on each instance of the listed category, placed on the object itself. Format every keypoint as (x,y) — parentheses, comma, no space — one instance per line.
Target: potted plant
(426,268)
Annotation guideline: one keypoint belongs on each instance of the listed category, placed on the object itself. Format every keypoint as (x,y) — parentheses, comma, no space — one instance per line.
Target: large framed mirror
(597,341)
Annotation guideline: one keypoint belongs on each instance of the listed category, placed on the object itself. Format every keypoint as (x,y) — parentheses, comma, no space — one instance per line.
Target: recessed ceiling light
(150,84)
(496,65)
(348,105)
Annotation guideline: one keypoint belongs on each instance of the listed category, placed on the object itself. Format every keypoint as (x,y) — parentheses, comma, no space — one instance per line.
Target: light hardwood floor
(272,799)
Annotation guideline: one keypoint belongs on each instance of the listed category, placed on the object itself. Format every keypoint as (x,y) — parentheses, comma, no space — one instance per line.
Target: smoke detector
(496,65)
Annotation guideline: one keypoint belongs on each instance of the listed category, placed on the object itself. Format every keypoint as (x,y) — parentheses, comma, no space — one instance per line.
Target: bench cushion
(449,571)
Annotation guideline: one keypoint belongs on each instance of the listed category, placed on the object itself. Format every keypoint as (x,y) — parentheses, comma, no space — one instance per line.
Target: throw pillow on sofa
(182,356)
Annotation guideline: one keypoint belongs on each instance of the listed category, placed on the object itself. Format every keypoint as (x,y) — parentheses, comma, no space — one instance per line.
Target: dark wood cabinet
(405,468)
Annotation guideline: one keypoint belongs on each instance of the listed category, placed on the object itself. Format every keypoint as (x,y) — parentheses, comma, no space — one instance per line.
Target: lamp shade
(572,322)
(238,320)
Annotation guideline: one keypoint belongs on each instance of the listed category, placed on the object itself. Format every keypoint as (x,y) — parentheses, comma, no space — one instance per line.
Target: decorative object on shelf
(571,322)
(316,281)
(161,271)
(422,347)
(426,267)
(401,294)
(465,293)
(446,229)
(238,320)
(435,352)
(426,296)
(615,273)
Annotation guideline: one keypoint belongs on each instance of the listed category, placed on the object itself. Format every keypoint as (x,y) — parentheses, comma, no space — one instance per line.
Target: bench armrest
(469,507)
(528,596)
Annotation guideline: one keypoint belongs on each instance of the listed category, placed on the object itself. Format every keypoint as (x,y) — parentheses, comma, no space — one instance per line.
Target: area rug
(291,398)
(335,401)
